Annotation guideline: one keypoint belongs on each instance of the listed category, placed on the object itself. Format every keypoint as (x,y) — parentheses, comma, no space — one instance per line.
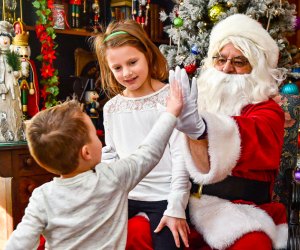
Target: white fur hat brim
(244,26)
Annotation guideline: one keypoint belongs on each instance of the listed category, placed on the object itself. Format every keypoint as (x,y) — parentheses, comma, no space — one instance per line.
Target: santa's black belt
(235,188)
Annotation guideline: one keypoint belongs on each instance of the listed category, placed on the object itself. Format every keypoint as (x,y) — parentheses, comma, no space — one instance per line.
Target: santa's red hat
(241,25)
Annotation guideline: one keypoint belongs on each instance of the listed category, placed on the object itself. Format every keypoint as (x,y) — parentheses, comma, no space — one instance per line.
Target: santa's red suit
(246,146)
(245,132)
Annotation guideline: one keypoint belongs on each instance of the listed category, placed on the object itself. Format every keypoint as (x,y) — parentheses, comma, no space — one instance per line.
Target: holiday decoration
(190,69)
(75,13)
(90,100)
(215,11)
(96,16)
(188,45)
(9,10)
(46,34)
(178,22)
(58,16)
(297,23)
(195,50)
(140,12)
(12,59)
(297,174)
(11,116)
(28,80)
(296,70)
(290,89)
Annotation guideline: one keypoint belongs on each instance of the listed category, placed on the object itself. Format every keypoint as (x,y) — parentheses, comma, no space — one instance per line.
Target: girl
(132,70)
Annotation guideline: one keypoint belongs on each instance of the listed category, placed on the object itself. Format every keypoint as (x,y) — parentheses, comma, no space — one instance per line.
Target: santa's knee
(139,234)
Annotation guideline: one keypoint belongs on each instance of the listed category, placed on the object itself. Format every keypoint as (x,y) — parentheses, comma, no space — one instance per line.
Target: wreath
(46,35)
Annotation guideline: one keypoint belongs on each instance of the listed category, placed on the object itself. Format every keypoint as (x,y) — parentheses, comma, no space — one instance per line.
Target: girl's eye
(133,62)
(117,68)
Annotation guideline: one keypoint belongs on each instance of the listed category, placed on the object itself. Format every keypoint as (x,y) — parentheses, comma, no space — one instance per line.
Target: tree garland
(46,35)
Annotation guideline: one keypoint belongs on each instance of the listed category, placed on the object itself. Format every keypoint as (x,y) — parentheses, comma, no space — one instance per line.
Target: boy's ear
(85,153)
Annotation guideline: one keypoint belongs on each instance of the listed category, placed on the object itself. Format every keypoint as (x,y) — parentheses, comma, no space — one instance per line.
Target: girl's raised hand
(175,99)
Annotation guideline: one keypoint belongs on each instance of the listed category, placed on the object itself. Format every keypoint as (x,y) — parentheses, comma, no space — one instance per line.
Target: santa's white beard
(226,93)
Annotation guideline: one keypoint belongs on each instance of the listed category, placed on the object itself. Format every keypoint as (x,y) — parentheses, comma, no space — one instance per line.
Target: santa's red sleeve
(242,145)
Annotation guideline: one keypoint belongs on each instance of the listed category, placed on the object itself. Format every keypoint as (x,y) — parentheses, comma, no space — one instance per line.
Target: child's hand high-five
(175,99)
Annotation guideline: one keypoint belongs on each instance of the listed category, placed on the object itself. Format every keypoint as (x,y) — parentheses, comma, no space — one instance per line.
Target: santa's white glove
(189,121)
(109,154)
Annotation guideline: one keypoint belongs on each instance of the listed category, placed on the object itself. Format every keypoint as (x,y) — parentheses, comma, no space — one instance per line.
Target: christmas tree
(192,21)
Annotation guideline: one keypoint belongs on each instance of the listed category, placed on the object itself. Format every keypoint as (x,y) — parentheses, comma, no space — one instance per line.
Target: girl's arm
(174,216)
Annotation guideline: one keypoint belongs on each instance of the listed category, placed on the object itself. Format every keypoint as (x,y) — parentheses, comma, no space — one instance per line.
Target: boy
(86,207)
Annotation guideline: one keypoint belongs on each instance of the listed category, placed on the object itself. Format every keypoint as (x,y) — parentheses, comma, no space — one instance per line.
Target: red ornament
(190,69)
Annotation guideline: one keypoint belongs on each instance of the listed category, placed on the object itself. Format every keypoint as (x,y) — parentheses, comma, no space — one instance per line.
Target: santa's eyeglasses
(238,61)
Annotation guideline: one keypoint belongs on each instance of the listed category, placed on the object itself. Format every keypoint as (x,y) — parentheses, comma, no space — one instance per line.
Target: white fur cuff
(224,146)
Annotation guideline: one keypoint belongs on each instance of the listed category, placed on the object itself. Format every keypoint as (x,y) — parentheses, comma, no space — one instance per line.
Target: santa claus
(234,140)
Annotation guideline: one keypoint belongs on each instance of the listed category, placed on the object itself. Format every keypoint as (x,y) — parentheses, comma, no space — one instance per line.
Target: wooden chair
(287,189)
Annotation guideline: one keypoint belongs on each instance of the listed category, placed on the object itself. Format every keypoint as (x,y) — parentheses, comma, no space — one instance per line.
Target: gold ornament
(215,11)
(229,4)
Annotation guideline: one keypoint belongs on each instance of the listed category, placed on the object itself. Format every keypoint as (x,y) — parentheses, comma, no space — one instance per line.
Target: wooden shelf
(74,32)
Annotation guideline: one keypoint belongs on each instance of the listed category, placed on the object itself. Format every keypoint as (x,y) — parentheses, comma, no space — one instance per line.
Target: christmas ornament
(296,70)
(297,23)
(190,69)
(229,4)
(297,174)
(215,11)
(178,22)
(195,50)
(290,89)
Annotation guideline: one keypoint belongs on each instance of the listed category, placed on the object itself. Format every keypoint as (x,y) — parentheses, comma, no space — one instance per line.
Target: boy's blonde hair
(56,135)
(131,34)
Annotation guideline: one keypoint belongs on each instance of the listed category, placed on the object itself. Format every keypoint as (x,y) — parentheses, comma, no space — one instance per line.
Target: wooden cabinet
(19,176)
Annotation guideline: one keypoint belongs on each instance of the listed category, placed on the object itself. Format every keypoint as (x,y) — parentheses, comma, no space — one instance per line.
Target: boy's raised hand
(175,99)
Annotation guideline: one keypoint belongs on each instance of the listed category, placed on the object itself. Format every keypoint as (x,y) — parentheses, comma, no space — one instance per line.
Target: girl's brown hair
(133,35)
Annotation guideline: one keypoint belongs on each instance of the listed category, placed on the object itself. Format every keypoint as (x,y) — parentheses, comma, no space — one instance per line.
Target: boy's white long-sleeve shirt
(90,211)
(127,122)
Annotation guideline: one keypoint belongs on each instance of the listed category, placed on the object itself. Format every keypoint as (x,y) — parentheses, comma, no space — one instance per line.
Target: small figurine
(96,15)
(75,8)
(89,99)
(91,105)
(11,116)
(28,81)
(142,15)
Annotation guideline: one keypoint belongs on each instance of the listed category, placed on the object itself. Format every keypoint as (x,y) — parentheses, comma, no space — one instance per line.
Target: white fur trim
(224,146)
(281,238)
(244,26)
(222,222)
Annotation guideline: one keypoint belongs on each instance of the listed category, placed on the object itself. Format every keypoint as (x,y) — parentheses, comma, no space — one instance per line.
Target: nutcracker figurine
(28,81)
(89,98)
(142,15)
(91,106)
(96,15)
(75,13)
